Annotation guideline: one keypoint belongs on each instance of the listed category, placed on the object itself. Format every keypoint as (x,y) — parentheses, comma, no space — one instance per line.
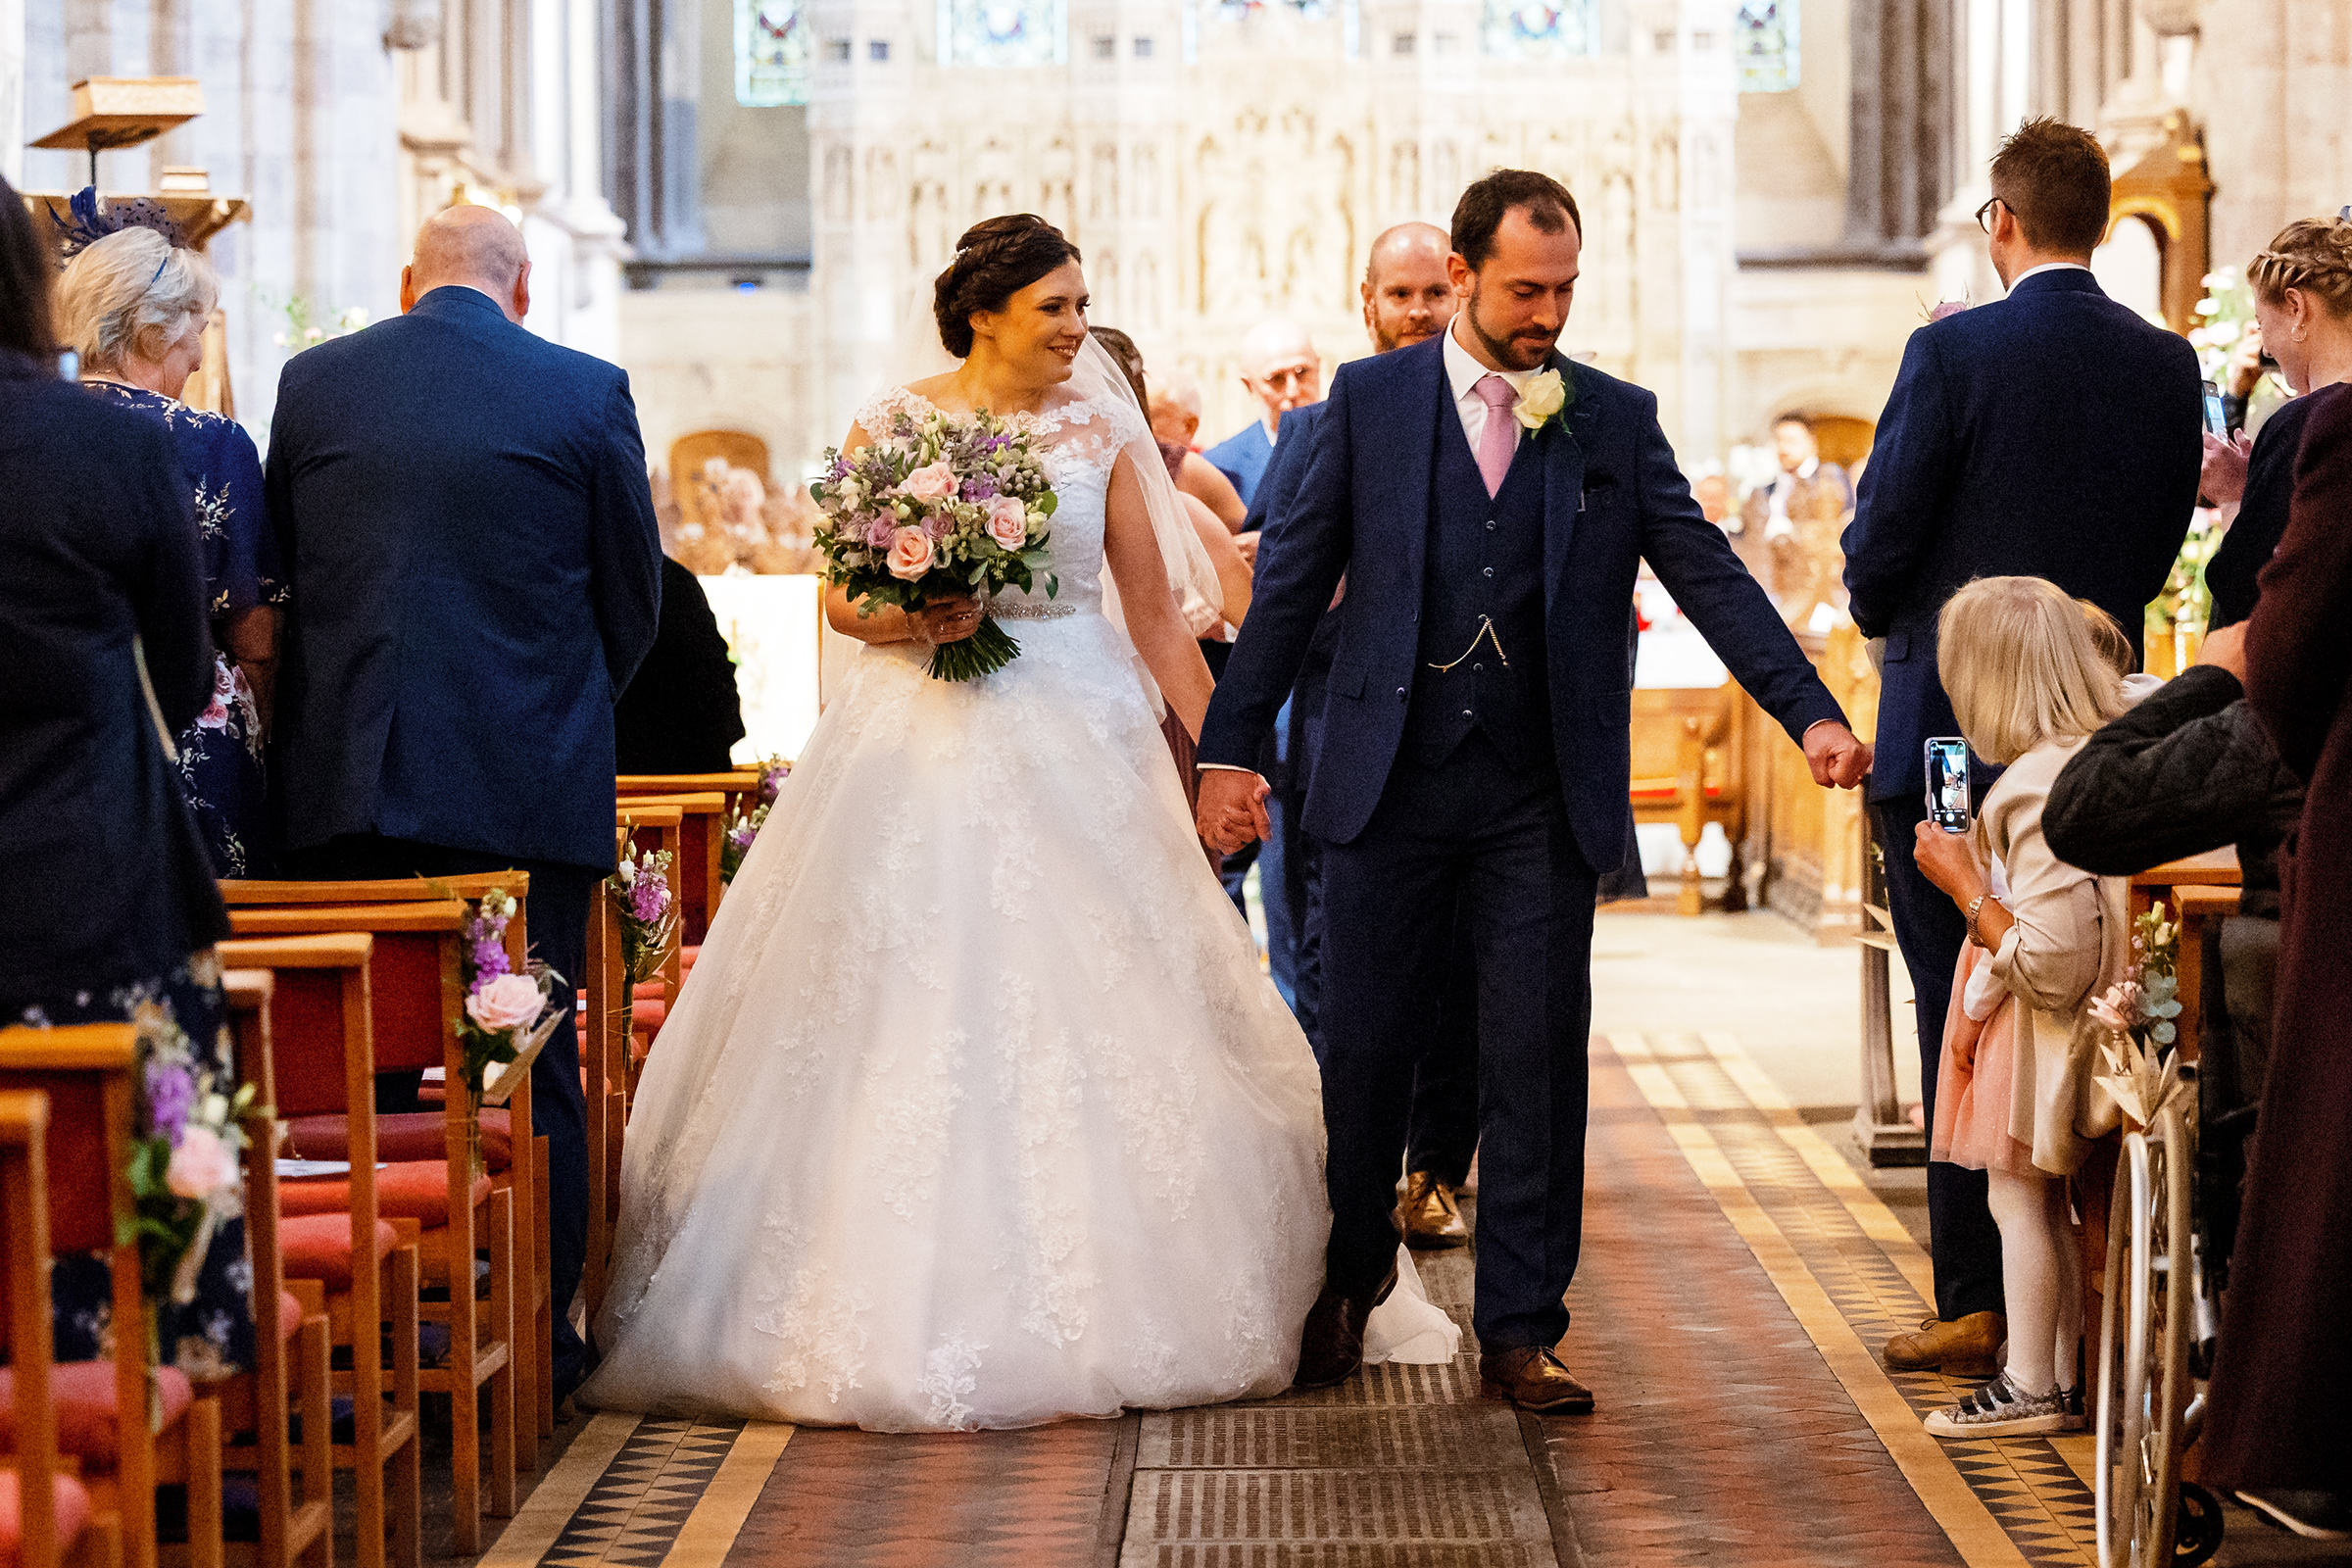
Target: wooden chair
(703,817)
(355,1268)
(102,1408)
(44,1510)
(290,1365)
(505,1106)
(1687,752)
(415,993)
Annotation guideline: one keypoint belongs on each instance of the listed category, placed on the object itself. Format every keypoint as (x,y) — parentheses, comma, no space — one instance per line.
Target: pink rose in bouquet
(1008,522)
(933,482)
(909,554)
(509,1002)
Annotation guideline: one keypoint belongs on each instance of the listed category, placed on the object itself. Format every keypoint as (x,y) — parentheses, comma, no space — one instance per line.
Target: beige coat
(2072,940)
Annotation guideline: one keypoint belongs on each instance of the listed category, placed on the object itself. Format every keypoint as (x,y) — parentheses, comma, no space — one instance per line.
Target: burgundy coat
(2282,1390)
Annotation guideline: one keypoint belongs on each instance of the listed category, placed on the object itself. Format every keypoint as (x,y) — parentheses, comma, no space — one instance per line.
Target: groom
(1489,504)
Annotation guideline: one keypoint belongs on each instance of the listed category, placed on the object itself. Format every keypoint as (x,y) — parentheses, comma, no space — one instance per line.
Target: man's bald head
(1408,294)
(470,247)
(1281,368)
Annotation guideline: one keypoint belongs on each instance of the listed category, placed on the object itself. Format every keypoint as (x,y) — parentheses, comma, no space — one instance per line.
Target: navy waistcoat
(1486,561)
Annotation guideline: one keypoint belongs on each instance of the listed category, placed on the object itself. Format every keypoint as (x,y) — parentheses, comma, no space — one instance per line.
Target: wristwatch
(1973,905)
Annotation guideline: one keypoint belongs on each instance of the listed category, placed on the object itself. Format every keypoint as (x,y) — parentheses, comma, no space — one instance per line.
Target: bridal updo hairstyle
(994,261)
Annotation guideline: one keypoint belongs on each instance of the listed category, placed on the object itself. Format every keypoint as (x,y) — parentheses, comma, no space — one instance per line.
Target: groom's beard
(1524,351)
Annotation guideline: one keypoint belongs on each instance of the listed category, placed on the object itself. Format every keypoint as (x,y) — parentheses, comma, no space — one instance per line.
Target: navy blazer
(2050,434)
(112,883)
(1612,495)
(1243,456)
(476,576)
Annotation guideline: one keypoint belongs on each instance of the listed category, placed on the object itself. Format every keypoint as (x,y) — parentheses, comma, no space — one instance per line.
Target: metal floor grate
(1332,1554)
(1415,1436)
(1340,1505)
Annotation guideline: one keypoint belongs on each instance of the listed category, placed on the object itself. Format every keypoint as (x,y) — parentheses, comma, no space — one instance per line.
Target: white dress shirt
(1464,373)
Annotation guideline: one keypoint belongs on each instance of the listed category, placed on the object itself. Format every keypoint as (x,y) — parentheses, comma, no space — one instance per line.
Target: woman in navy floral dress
(138,319)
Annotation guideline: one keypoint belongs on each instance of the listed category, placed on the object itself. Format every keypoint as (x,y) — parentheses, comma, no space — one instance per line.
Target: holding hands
(1233,808)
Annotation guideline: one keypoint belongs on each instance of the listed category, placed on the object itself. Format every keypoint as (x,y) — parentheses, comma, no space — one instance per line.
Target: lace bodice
(1083,439)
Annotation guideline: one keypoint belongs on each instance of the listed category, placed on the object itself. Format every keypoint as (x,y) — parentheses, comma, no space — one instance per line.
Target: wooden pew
(291,1367)
(359,1270)
(506,1093)
(1688,750)
(47,1508)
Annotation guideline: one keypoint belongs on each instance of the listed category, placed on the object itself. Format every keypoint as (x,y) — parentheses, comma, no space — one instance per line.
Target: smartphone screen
(2217,420)
(1947,783)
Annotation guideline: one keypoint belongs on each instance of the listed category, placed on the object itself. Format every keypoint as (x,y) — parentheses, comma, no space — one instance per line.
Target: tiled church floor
(1737,1278)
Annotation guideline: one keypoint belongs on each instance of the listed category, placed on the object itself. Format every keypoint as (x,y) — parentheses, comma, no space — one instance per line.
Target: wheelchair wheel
(2145,1375)
(2197,1535)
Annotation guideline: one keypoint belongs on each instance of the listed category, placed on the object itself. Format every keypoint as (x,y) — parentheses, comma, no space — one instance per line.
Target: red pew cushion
(411,1135)
(416,1190)
(84,1395)
(318,1246)
(72,1515)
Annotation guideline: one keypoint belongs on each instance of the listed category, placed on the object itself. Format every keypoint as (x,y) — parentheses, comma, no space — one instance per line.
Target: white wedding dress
(977,1110)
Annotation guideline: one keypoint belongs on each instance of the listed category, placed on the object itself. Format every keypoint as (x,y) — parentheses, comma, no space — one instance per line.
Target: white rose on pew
(509,1002)
(201,1165)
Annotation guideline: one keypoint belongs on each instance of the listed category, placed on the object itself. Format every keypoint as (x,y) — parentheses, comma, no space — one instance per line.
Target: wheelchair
(2170,1226)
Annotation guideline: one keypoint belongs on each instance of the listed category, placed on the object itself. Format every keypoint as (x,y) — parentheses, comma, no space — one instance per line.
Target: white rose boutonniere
(1540,400)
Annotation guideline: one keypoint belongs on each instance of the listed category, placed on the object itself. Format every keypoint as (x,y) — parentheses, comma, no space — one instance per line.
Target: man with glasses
(2051,434)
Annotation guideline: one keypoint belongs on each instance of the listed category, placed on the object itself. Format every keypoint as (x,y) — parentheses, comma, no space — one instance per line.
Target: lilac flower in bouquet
(171,1092)
(939,507)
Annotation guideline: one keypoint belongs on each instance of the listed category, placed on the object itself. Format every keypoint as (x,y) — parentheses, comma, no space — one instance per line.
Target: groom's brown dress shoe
(1331,1347)
(1964,1348)
(1430,1214)
(1532,1378)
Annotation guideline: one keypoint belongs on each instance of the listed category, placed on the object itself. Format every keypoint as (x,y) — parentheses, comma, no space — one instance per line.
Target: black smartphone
(1947,783)
(2216,418)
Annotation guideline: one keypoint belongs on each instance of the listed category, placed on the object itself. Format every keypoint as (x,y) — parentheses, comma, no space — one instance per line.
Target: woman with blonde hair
(132,305)
(2030,683)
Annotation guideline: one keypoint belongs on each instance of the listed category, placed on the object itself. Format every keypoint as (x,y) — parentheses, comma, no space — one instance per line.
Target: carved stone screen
(1764,43)
(771,54)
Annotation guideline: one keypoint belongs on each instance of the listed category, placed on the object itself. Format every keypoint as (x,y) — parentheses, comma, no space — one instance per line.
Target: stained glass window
(771,53)
(1764,45)
(1001,33)
(1540,29)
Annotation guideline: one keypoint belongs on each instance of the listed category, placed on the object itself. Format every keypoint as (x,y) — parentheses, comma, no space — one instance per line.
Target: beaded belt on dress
(1030,608)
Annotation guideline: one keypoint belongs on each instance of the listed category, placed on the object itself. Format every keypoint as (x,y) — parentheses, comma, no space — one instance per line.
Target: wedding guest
(1788,529)
(1175,415)
(118,912)
(2302,288)
(1987,463)
(680,713)
(2029,684)
(2281,1399)
(133,305)
(1233,572)
(476,574)
(1281,371)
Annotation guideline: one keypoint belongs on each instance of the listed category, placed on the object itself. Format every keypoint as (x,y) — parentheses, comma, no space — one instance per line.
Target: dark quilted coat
(2188,769)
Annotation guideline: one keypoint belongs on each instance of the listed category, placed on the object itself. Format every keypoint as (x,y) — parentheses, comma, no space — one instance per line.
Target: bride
(977,1110)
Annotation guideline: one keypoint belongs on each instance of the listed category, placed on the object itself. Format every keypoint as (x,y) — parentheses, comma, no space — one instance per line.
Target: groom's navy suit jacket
(1612,495)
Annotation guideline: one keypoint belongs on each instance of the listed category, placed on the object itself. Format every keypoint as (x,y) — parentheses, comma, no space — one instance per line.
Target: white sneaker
(2000,1409)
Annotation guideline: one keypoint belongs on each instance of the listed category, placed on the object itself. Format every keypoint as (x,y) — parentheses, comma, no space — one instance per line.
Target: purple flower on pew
(772,774)
(171,1098)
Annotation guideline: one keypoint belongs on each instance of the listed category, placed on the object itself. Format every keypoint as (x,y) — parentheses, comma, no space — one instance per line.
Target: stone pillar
(576,239)
(653,56)
(1904,124)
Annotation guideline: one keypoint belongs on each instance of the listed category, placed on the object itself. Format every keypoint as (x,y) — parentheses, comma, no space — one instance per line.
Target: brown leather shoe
(1967,1347)
(1532,1378)
(1331,1347)
(1432,1218)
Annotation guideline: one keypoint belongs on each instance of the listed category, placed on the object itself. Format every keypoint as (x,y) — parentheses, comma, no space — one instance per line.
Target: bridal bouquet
(936,507)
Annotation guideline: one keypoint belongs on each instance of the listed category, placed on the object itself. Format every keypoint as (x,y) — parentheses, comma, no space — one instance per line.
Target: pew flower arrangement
(936,507)
(505,1011)
(649,913)
(746,826)
(184,1173)
(2138,1013)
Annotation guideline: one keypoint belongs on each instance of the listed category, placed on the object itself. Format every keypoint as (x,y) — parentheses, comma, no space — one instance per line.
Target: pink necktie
(1498,437)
